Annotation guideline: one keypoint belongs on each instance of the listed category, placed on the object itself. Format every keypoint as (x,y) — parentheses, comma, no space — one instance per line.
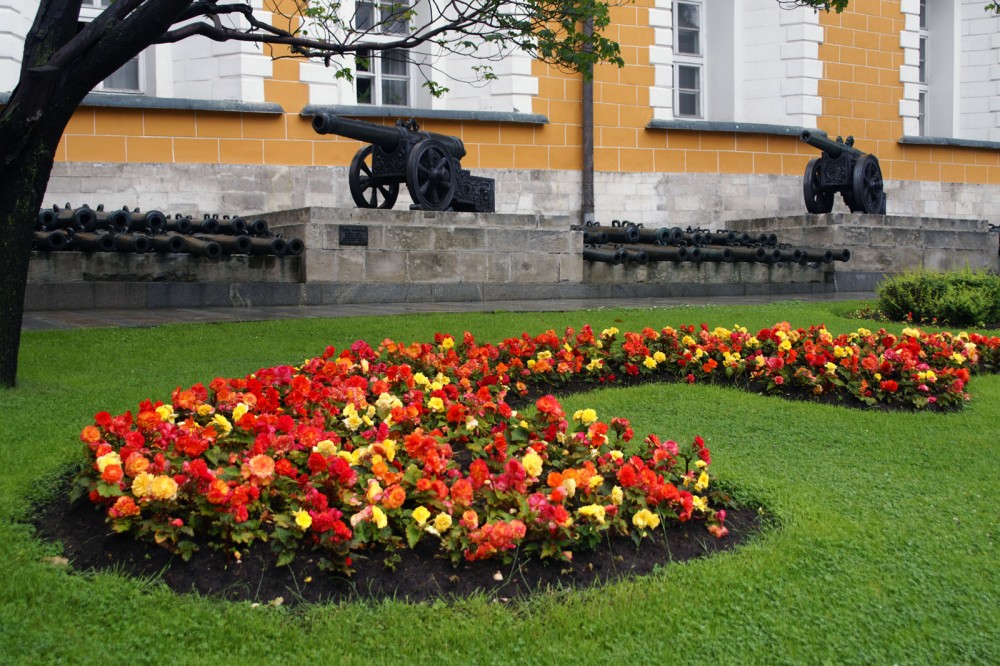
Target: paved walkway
(69,319)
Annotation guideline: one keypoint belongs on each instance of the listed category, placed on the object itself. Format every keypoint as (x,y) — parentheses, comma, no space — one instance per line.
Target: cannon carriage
(845,169)
(429,164)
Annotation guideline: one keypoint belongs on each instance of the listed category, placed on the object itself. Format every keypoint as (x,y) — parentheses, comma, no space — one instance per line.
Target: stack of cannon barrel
(98,230)
(628,243)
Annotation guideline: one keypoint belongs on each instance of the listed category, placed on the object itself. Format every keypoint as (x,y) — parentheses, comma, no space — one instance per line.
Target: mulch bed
(421,575)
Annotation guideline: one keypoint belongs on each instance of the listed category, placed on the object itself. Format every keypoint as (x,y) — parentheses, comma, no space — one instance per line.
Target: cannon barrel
(386,138)
(294,247)
(665,252)
(273,246)
(604,255)
(128,242)
(716,254)
(832,148)
(167,243)
(229,244)
(93,242)
(51,241)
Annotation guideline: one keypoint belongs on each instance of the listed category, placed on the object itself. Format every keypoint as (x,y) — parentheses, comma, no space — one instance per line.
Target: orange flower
(393,497)
(112,474)
(90,435)
(262,466)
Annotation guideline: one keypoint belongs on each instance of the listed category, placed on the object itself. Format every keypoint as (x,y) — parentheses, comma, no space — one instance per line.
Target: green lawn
(884,550)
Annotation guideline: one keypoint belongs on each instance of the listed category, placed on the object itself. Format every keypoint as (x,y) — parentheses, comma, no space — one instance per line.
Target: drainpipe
(587,174)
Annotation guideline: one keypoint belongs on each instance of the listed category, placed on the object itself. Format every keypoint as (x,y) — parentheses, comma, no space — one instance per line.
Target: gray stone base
(882,245)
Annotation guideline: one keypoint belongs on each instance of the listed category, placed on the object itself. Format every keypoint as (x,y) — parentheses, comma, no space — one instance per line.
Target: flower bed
(389,447)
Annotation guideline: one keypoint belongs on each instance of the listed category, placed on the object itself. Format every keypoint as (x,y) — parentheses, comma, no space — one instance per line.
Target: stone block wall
(886,244)
(654,199)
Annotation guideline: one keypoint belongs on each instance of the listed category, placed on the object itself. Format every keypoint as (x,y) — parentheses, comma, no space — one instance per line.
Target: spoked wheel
(431,176)
(867,184)
(817,201)
(365,188)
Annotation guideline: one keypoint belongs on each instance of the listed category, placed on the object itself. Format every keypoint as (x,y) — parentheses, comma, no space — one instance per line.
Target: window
(383,77)
(922,71)
(689,60)
(127,79)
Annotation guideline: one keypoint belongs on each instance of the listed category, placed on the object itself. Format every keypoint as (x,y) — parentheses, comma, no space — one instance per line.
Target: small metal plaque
(353,235)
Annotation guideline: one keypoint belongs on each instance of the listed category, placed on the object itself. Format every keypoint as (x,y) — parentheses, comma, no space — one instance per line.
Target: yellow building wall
(861,91)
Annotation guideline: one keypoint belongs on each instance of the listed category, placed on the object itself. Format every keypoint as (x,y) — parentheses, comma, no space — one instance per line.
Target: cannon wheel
(817,201)
(364,190)
(866,183)
(431,176)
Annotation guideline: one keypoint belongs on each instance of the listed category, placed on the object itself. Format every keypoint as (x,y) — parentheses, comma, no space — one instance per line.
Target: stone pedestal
(886,244)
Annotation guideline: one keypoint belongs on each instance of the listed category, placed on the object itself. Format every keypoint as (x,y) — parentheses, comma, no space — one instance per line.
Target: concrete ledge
(139,296)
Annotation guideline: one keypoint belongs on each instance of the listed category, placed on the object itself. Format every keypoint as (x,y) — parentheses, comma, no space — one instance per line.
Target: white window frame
(374,62)
(691,61)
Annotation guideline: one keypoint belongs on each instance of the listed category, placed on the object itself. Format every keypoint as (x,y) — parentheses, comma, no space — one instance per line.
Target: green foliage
(957,298)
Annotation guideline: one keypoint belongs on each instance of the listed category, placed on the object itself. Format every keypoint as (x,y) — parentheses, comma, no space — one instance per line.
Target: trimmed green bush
(956,298)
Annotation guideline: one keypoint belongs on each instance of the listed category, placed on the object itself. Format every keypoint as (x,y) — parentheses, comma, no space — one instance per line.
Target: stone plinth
(884,244)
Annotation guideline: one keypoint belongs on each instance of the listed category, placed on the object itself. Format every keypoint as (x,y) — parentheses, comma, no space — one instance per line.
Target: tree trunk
(23,180)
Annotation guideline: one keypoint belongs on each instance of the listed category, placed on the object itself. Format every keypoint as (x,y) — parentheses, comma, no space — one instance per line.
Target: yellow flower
(448,342)
(326,448)
(373,492)
(570,486)
(703,482)
(142,484)
(420,515)
(222,424)
(204,409)
(163,487)
(240,411)
(302,519)
(442,522)
(389,446)
(699,502)
(609,332)
(585,416)
(649,362)
(831,367)
(617,496)
(595,365)
(659,357)
(166,413)
(700,464)
(911,332)
(108,459)
(435,404)
(644,518)
(379,517)
(421,378)
(544,355)
(785,345)
(687,341)
(593,511)
(595,482)
(532,463)
(617,455)
(958,358)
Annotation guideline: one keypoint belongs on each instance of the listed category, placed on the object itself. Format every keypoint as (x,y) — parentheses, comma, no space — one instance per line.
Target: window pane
(364,84)
(922,114)
(687,78)
(363,61)
(394,92)
(688,104)
(923,14)
(394,19)
(394,63)
(364,16)
(688,16)
(126,78)
(687,42)
(922,64)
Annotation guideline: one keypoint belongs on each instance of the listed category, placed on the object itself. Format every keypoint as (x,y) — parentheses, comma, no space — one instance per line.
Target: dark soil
(421,575)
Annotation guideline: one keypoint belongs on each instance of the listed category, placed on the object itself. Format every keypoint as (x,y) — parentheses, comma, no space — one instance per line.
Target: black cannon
(429,164)
(845,169)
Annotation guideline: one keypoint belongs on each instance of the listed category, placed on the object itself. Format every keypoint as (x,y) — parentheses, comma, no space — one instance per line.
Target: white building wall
(980,73)
(781,56)
(15,21)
